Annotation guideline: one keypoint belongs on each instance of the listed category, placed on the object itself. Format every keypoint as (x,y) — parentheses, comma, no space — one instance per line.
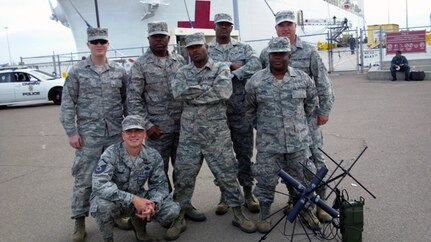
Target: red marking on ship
(202,16)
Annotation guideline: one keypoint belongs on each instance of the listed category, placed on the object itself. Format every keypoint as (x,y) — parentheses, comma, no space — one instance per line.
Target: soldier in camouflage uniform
(92,108)
(149,94)
(306,58)
(243,63)
(119,183)
(204,86)
(279,100)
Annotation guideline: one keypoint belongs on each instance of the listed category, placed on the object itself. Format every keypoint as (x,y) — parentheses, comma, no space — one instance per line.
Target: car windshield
(41,75)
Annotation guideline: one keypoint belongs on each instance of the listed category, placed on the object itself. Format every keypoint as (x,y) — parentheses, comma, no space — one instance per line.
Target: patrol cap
(133,122)
(223,17)
(97,33)
(157,27)
(279,44)
(285,16)
(195,39)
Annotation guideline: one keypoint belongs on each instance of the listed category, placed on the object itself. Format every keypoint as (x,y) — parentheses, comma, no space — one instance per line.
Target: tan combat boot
(309,219)
(264,223)
(250,202)
(193,214)
(241,221)
(122,223)
(139,227)
(322,215)
(177,227)
(222,206)
(79,233)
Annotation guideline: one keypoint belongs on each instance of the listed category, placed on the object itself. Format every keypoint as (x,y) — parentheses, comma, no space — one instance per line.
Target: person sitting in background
(400,63)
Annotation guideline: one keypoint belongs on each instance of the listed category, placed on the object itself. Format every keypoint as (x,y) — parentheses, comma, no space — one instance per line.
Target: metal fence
(369,50)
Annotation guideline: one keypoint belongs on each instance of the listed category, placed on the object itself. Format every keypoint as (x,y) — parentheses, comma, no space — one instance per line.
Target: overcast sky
(32,33)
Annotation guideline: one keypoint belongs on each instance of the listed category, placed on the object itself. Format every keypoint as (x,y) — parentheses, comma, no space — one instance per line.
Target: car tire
(56,95)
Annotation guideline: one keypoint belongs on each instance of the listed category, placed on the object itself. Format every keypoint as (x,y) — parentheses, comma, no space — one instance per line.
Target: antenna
(80,15)
(188,15)
(270,8)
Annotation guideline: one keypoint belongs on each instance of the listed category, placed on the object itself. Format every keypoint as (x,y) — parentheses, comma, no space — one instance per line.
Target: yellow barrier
(428,38)
(325,45)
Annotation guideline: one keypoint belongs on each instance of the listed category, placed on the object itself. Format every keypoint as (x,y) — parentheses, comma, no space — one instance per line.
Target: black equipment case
(417,75)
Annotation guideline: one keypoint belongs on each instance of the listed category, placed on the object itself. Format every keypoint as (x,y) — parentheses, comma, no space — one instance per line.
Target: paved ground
(392,118)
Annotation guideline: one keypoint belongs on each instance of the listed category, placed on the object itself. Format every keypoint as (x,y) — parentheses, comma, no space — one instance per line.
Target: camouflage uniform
(93,104)
(306,58)
(204,130)
(279,110)
(118,178)
(241,131)
(149,95)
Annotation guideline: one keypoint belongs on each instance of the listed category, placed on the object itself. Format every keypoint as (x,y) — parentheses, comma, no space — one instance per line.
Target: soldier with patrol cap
(204,86)
(92,108)
(279,100)
(124,171)
(306,58)
(243,63)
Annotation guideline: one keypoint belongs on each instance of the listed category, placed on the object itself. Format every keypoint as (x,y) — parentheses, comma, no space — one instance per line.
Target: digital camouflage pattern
(223,17)
(94,102)
(97,33)
(118,178)
(157,27)
(241,131)
(93,105)
(204,131)
(195,39)
(149,93)
(279,110)
(306,58)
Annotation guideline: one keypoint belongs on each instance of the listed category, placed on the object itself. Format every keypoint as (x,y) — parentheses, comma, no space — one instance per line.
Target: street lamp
(407,16)
(8,46)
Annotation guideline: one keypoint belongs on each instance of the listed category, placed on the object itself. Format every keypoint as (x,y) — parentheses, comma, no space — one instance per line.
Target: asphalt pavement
(392,119)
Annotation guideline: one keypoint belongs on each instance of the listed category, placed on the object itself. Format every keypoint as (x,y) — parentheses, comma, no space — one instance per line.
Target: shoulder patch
(100,168)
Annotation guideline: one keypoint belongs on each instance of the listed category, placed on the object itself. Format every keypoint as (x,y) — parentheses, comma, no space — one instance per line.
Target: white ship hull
(127,19)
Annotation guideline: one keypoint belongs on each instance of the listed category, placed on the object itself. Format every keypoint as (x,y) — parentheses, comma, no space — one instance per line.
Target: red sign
(406,42)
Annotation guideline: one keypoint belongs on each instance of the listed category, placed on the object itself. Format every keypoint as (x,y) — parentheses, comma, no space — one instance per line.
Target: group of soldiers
(189,112)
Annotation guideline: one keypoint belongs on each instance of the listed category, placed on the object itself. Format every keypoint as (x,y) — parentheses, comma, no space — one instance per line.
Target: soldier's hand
(145,208)
(75,141)
(154,132)
(235,66)
(321,119)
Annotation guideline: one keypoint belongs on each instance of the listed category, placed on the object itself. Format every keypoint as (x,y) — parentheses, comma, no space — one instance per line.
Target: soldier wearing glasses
(92,109)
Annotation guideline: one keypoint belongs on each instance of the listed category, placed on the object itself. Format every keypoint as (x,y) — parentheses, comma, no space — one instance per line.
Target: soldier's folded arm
(221,89)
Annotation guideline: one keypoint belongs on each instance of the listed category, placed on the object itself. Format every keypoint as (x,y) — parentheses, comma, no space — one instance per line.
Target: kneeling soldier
(118,184)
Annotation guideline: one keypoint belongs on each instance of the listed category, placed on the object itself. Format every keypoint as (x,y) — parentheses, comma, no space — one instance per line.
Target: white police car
(21,85)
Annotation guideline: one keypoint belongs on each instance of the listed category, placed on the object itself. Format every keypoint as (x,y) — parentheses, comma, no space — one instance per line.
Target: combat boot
(79,232)
(122,223)
(309,219)
(222,206)
(177,227)
(322,215)
(241,221)
(250,202)
(264,223)
(139,227)
(193,214)
(292,199)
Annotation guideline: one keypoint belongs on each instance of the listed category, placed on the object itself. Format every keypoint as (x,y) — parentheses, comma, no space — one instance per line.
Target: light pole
(8,46)
(407,16)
